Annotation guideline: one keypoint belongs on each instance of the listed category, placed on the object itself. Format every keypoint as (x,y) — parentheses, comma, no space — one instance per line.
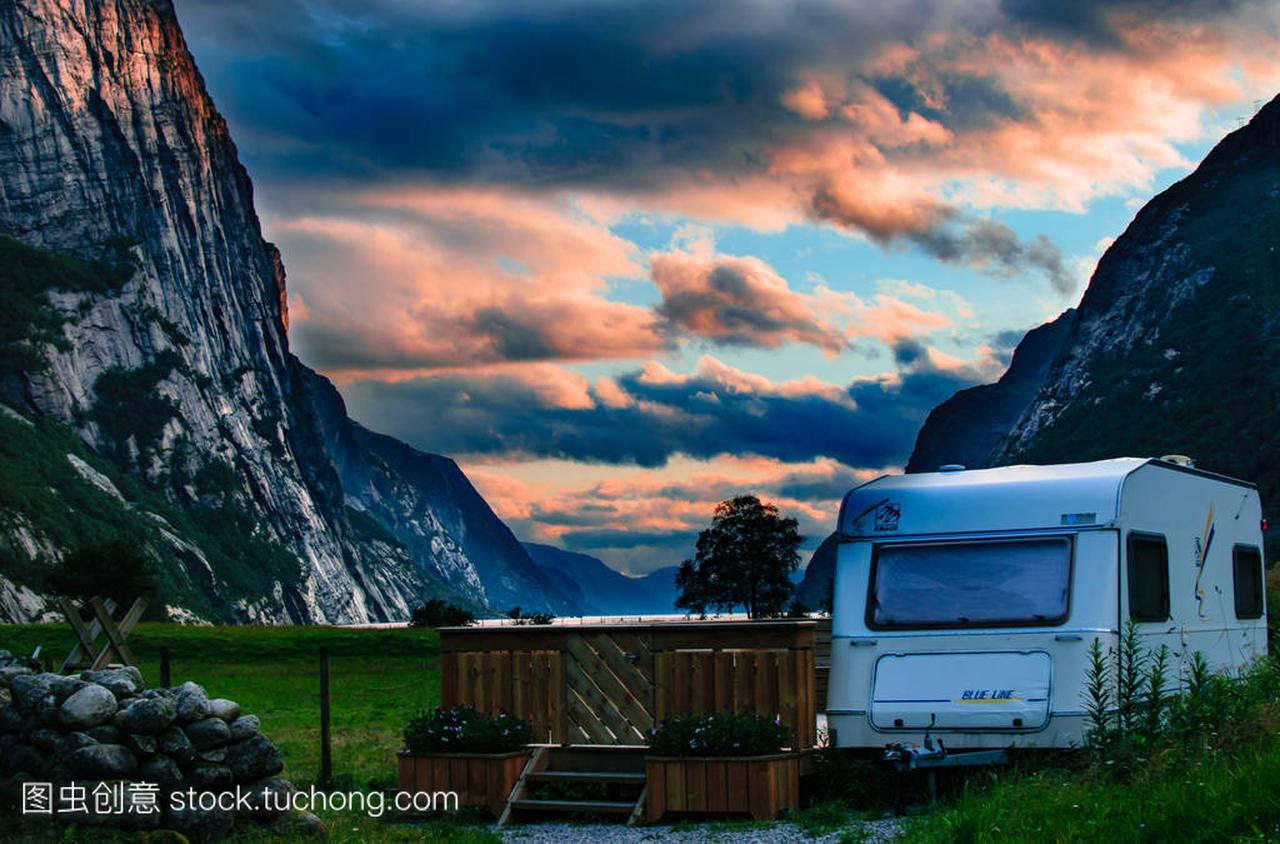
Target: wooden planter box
(760,785)
(481,779)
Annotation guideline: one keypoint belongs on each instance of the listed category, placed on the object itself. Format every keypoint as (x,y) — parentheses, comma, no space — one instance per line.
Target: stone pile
(107,727)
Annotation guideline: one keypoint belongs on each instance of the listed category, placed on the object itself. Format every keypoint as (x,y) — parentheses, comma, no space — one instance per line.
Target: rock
(10,671)
(199,824)
(161,770)
(216,755)
(208,733)
(254,758)
(102,762)
(152,694)
(121,682)
(25,757)
(174,743)
(69,742)
(193,703)
(142,744)
(245,726)
(150,716)
(268,798)
(28,690)
(89,707)
(309,824)
(210,776)
(11,721)
(227,710)
(65,687)
(106,734)
(45,739)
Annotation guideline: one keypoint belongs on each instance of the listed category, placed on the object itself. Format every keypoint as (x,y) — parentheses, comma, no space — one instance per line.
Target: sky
(624,260)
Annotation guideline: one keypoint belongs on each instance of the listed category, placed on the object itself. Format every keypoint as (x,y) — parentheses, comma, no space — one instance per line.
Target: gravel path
(874,832)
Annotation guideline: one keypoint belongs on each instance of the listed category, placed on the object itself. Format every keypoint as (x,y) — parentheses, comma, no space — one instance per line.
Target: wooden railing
(612,684)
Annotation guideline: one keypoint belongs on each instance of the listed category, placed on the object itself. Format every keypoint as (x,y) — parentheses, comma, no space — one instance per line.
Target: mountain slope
(969,426)
(606,591)
(145,338)
(1174,347)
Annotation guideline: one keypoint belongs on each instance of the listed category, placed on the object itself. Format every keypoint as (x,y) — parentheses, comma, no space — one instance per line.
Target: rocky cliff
(146,358)
(969,426)
(1175,347)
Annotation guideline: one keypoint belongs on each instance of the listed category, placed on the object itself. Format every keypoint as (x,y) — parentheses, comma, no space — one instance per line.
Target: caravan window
(1148,577)
(986,583)
(1247,566)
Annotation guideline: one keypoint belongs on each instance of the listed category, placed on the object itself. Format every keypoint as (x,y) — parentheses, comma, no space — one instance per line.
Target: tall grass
(1203,765)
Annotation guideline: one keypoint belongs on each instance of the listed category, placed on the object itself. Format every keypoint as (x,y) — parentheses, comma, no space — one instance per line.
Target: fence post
(326,761)
(165,678)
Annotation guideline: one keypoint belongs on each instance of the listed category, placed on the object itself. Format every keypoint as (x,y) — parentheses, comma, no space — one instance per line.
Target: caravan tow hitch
(933,755)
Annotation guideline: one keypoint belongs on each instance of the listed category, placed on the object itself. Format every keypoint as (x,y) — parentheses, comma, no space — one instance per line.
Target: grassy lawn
(378,679)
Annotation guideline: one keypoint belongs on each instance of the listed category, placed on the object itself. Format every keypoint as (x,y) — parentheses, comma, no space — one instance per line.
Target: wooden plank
(636,684)
(637,644)
(599,710)
(695,773)
(635,719)
(113,635)
(735,780)
(581,716)
(808,714)
(722,681)
(744,667)
(717,786)
(557,696)
(422,775)
(87,636)
(655,788)
(681,667)
(677,796)
(638,812)
(440,774)
(537,762)
(449,680)
(787,691)
(701,682)
(662,671)
(663,635)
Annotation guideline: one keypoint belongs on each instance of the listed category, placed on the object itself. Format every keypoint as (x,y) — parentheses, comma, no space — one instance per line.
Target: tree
(744,559)
(438,613)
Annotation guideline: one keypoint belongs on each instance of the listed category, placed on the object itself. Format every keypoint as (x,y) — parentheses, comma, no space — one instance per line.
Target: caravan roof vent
(1179,460)
(951,467)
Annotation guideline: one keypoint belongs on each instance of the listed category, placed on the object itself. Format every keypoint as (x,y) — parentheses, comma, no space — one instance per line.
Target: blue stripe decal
(941,700)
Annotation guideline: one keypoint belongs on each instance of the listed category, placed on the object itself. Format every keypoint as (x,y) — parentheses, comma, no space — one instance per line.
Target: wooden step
(610,806)
(616,777)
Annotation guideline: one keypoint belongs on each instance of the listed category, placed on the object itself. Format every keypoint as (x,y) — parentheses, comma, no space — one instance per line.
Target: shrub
(721,734)
(463,729)
(438,613)
(518,617)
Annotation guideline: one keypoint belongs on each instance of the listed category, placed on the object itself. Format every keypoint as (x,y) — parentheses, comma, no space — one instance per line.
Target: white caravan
(968,599)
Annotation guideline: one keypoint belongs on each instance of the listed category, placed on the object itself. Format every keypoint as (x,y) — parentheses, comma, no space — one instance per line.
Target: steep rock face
(429,506)
(606,591)
(969,426)
(109,144)
(1175,348)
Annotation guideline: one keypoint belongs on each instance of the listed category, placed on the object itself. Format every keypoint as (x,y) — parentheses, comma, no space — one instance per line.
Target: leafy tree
(118,568)
(744,559)
(438,613)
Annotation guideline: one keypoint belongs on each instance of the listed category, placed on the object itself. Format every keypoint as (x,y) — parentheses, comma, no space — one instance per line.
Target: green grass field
(378,680)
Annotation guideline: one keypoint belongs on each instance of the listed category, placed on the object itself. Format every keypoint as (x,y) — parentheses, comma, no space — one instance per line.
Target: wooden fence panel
(609,685)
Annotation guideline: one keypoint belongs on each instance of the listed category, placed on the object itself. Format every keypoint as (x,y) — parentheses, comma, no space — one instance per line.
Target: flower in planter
(720,734)
(463,729)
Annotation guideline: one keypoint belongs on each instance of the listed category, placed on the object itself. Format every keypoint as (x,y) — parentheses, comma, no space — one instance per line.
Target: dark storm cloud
(1101,22)
(709,413)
